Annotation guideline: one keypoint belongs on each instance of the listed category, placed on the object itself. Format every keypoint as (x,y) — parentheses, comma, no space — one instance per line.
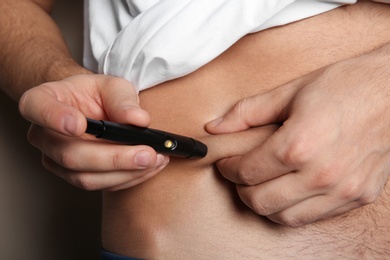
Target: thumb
(121,103)
(265,108)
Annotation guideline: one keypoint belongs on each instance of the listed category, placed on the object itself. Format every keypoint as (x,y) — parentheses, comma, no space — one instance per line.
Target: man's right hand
(57,111)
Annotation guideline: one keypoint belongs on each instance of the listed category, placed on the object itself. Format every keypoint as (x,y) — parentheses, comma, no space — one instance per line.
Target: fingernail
(160,160)
(215,122)
(143,159)
(70,124)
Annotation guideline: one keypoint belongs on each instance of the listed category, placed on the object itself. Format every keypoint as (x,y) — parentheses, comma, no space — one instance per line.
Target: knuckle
(245,175)
(111,81)
(293,222)
(326,177)
(255,200)
(356,190)
(241,110)
(237,109)
(259,207)
(116,161)
(297,152)
(46,115)
(67,159)
(84,181)
(352,191)
(368,198)
(290,221)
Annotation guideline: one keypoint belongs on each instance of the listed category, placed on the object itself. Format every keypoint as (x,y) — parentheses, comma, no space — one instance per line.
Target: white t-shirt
(151,41)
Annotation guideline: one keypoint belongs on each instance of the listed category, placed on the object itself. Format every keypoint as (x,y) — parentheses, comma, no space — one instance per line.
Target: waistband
(105,255)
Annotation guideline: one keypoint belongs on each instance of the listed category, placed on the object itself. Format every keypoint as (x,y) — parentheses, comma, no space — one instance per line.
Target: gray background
(41,216)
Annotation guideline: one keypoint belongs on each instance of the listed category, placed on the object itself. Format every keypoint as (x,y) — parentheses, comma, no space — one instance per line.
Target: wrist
(55,71)
(63,69)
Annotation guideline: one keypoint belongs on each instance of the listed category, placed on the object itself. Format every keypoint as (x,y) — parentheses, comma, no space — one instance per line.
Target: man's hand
(332,152)
(57,111)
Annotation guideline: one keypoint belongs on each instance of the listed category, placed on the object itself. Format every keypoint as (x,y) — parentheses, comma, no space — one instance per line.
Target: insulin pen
(160,141)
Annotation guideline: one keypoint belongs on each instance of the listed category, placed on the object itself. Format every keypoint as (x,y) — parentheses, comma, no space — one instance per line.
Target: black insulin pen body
(162,142)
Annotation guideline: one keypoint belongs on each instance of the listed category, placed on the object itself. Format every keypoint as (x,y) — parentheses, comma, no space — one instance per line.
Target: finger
(110,181)
(138,180)
(77,154)
(342,210)
(360,192)
(120,100)
(43,108)
(263,163)
(310,210)
(262,109)
(360,196)
(310,199)
(326,205)
(276,195)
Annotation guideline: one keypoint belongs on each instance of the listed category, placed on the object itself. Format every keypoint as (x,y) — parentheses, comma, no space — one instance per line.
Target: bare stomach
(189,211)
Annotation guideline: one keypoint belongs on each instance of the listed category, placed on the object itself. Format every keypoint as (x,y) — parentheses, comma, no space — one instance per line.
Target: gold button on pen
(169,144)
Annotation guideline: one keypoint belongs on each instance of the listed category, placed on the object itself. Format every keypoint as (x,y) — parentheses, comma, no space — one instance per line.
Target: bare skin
(189,211)
(33,52)
(190,200)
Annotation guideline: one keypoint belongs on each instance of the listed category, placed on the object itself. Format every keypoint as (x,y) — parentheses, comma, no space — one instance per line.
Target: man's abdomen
(188,210)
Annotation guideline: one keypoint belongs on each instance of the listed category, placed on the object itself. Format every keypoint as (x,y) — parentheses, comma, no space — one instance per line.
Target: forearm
(33,50)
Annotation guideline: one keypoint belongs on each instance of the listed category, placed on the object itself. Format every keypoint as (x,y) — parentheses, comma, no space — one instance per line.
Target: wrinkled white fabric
(151,41)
